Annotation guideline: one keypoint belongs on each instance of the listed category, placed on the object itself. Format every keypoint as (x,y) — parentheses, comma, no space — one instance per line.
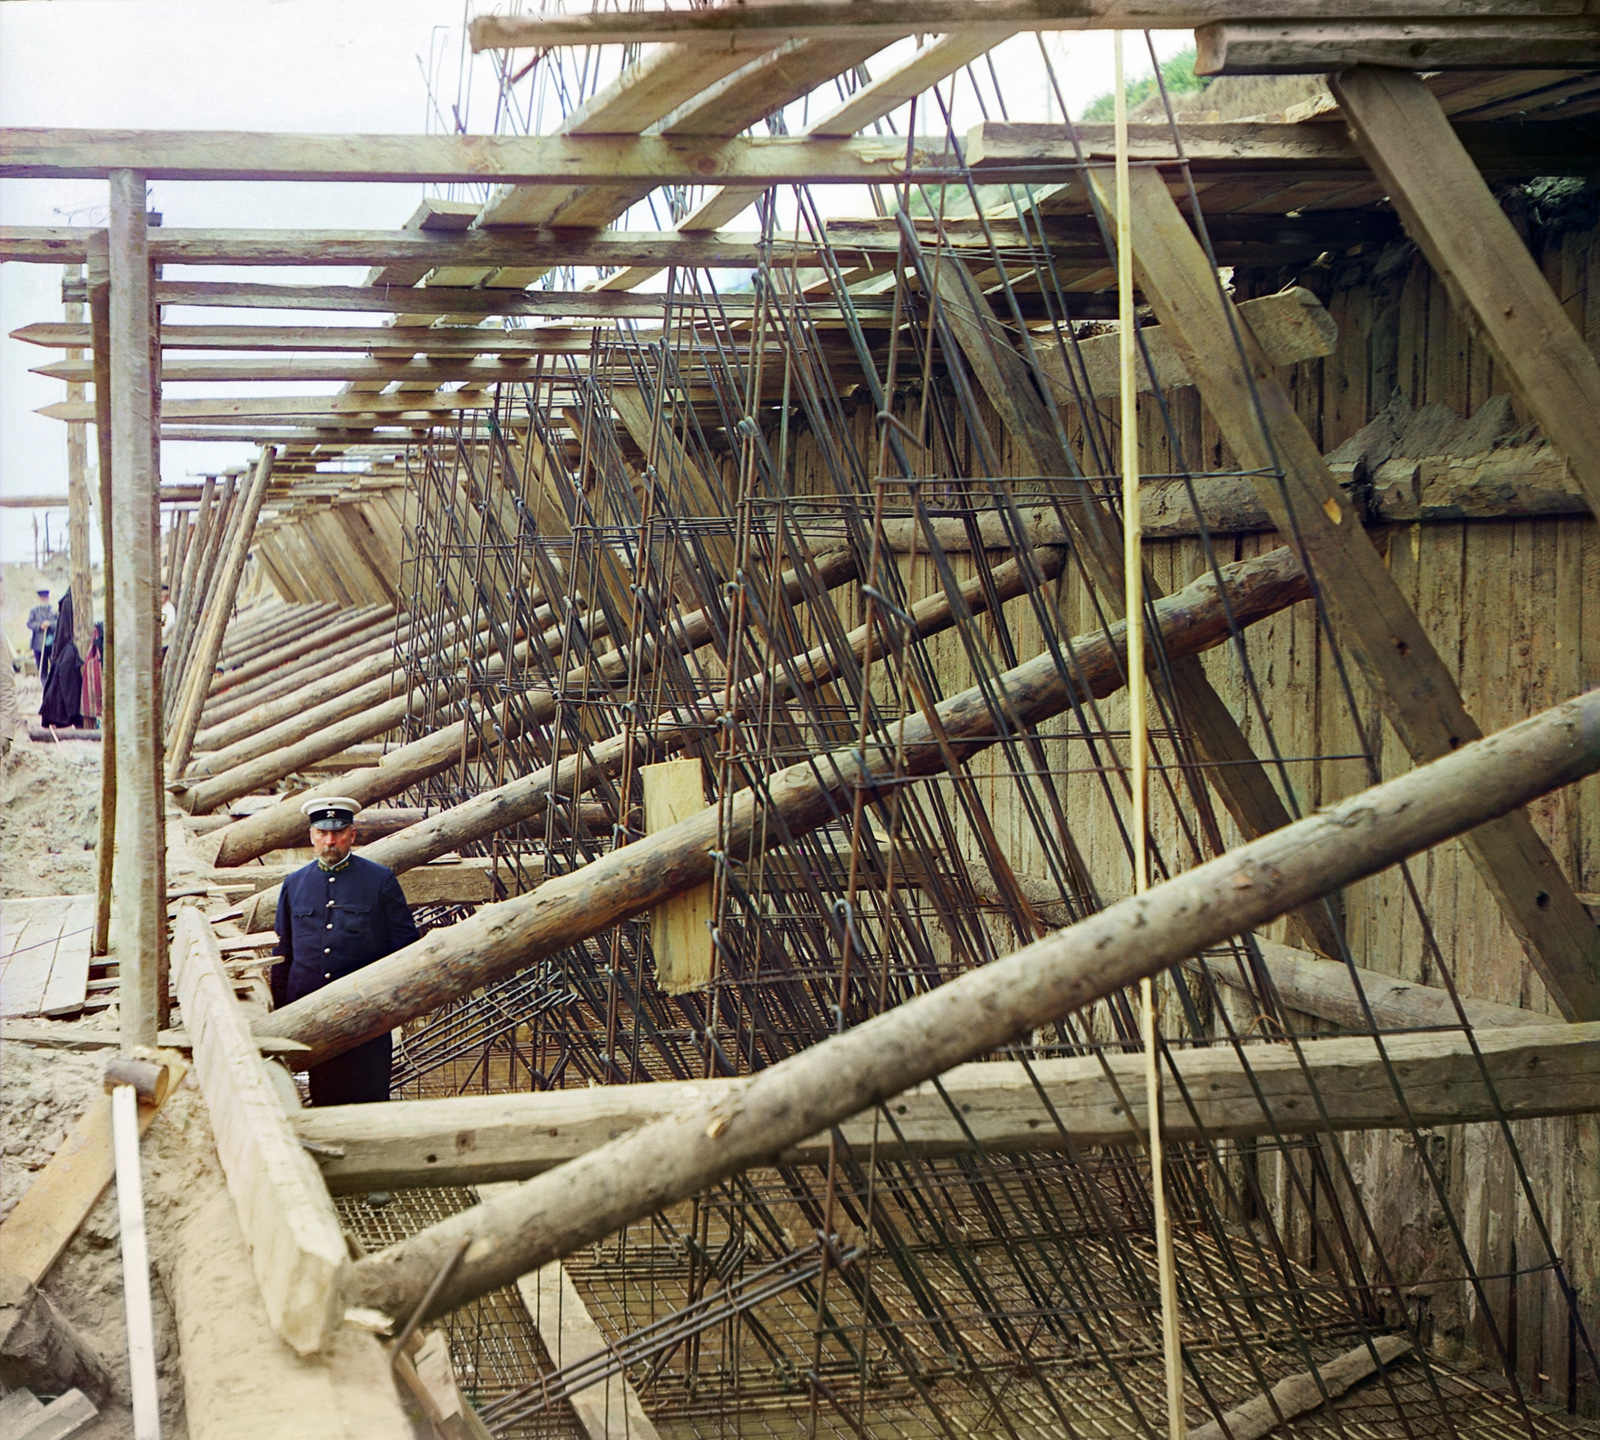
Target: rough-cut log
(1551,1069)
(1323,988)
(284,825)
(1301,1392)
(668,1161)
(314,733)
(238,708)
(407,765)
(500,939)
(283,652)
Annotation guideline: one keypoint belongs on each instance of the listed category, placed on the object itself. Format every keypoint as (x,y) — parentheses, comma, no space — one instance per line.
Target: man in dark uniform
(337,914)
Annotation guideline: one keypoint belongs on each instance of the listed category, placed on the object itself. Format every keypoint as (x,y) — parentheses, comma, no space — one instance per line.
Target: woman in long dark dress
(62,706)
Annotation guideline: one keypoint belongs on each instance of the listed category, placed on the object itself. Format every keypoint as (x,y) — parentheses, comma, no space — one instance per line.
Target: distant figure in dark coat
(339,913)
(62,705)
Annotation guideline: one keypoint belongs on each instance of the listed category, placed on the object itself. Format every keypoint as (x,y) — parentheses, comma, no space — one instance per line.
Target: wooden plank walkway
(44,954)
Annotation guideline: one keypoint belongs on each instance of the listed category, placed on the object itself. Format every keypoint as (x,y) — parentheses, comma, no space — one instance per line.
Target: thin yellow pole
(1138,742)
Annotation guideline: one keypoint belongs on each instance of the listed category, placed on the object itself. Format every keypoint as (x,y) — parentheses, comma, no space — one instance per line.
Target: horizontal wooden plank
(1308,47)
(772,22)
(490,249)
(1246,148)
(1538,1070)
(52,154)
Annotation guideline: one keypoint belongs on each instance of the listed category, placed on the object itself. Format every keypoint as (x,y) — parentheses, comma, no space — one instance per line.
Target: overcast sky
(361,66)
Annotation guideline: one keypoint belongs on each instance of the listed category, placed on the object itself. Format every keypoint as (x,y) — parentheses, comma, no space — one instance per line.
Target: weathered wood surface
(624,882)
(399,770)
(1449,210)
(138,923)
(198,674)
(680,928)
(1370,614)
(1263,150)
(297,1248)
(1304,1391)
(591,1197)
(1246,47)
(1034,426)
(44,954)
(773,21)
(1546,1069)
(523,160)
(1325,988)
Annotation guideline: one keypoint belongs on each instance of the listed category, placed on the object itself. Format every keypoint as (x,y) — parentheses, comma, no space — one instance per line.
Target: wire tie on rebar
(748,428)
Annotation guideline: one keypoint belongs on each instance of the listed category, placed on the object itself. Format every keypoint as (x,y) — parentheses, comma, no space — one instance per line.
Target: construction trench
(853,998)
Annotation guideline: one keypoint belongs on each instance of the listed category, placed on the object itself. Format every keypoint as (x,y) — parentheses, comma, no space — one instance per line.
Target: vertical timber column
(78,497)
(139,904)
(99,278)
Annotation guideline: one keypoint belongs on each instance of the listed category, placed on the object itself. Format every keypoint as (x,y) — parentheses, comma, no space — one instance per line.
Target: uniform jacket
(332,922)
(41,621)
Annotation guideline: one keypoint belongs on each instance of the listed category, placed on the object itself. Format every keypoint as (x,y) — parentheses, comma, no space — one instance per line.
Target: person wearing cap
(336,915)
(41,630)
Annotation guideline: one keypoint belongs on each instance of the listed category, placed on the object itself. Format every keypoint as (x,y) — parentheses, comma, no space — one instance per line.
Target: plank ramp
(44,954)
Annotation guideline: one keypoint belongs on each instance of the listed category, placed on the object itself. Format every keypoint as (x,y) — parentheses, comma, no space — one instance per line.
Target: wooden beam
(771,22)
(1548,1069)
(40,154)
(1370,615)
(1246,149)
(563,911)
(415,250)
(139,902)
(297,1249)
(660,1164)
(1307,47)
(1454,217)
(1324,988)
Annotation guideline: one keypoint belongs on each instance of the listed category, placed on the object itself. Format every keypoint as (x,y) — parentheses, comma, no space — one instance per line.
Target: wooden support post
(1009,382)
(1370,615)
(565,910)
(668,1161)
(78,502)
(680,928)
(1449,210)
(219,606)
(139,898)
(98,277)
(296,1246)
(1538,1070)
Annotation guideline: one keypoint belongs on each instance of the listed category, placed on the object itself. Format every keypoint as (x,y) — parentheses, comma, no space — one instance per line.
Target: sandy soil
(50,815)
(43,1092)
